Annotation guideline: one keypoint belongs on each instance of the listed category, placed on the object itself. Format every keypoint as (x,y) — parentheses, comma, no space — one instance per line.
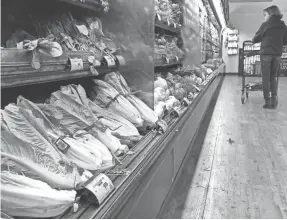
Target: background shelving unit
(210,32)
(170,29)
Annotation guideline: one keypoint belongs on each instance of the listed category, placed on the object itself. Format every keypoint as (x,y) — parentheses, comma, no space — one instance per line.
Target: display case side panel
(193,123)
(156,191)
(130,23)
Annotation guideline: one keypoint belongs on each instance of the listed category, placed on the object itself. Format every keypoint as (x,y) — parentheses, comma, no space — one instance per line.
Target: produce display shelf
(94,5)
(131,163)
(147,154)
(16,69)
(166,27)
(166,65)
(22,79)
(211,17)
(211,3)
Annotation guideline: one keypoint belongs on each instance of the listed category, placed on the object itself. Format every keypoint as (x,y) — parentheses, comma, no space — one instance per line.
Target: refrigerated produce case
(142,176)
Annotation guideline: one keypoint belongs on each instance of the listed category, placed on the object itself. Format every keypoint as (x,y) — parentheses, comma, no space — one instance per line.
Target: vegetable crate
(251,67)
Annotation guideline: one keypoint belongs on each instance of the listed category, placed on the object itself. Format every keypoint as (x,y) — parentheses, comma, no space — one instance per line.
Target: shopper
(273,35)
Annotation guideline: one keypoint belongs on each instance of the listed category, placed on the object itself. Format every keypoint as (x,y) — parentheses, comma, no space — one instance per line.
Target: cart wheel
(242,99)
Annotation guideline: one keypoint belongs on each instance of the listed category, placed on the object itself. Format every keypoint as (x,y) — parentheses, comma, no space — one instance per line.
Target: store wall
(247,18)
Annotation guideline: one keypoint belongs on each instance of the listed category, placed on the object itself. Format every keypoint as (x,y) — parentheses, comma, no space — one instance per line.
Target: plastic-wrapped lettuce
(113,121)
(119,127)
(75,117)
(116,80)
(81,154)
(25,150)
(107,97)
(22,196)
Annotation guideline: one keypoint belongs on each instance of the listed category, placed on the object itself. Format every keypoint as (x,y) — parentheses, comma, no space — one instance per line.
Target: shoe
(267,104)
(274,102)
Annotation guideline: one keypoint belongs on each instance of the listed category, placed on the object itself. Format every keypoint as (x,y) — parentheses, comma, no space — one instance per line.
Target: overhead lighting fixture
(247,1)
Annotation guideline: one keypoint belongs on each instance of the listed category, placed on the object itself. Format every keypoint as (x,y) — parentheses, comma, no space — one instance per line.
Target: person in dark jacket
(273,35)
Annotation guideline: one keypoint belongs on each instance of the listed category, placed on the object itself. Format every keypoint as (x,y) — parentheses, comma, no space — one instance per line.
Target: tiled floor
(244,179)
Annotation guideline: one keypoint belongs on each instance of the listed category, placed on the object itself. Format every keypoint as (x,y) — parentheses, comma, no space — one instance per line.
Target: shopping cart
(251,67)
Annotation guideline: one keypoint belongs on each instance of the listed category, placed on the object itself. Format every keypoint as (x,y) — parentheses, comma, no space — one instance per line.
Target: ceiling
(253,6)
(234,1)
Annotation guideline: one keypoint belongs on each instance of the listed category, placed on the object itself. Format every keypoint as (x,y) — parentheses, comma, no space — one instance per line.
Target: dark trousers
(270,70)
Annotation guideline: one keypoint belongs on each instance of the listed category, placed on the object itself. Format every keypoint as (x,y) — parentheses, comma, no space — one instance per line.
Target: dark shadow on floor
(175,201)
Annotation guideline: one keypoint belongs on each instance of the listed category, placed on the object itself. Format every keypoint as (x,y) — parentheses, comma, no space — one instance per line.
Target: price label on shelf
(94,71)
(176,112)
(76,64)
(110,61)
(186,101)
(96,63)
(101,186)
(168,22)
(162,124)
(166,60)
(118,172)
(121,60)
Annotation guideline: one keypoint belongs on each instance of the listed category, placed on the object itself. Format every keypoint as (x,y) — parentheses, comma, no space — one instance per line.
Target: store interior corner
(131,109)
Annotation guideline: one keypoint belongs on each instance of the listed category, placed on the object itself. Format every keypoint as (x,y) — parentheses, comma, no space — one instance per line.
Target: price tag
(110,61)
(94,71)
(101,186)
(96,63)
(121,60)
(186,102)
(175,112)
(174,25)
(62,145)
(166,60)
(168,22)
(162,124)
(91,59)
(76,64)
(20,45)
(100,127)
(196,88)
(118,172)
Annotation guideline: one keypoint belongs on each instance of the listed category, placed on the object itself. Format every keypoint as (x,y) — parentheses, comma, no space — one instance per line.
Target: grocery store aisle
(241,170)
